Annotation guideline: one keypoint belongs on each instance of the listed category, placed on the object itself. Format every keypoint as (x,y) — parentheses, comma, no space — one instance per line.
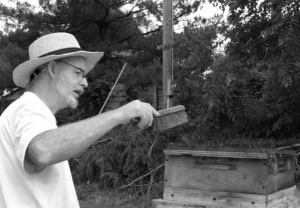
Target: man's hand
(137,109)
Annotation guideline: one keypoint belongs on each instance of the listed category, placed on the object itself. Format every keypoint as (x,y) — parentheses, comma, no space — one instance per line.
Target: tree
(263,38)
(97,24)
(10,55)
(193,55)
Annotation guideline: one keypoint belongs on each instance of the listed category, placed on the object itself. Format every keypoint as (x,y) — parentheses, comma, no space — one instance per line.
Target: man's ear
(52,68)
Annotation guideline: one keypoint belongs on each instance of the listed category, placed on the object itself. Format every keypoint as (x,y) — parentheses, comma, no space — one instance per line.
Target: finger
(145,113)
(151,111)
(150,120)
(154,112)
(143,121)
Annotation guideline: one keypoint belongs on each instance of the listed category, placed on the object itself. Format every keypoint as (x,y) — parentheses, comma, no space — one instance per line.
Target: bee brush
(169,118)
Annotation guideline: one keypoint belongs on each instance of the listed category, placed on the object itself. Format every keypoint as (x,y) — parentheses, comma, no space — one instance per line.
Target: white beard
(62,90)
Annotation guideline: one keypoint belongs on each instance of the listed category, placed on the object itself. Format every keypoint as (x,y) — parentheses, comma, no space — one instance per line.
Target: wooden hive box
(228,177)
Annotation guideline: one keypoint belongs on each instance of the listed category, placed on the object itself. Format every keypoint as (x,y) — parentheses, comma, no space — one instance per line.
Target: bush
(131,154)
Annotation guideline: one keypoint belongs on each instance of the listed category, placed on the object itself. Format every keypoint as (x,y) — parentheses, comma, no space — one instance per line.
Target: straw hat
(50,47)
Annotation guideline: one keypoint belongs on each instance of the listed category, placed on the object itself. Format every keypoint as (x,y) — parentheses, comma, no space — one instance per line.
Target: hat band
(61,51)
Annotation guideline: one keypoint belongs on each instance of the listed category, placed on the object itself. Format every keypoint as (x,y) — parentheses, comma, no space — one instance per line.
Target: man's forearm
(63,143)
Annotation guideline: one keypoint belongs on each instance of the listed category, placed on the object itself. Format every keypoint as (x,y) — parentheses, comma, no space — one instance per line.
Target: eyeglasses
(36,73)
(82,71)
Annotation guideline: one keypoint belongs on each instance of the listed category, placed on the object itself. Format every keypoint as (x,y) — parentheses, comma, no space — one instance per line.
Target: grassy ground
(90,196)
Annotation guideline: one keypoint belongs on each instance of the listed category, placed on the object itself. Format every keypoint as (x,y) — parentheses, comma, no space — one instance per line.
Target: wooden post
(154,93)
(167,52)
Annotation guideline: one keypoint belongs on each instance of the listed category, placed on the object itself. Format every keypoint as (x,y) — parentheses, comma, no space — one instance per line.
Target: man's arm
(63,143)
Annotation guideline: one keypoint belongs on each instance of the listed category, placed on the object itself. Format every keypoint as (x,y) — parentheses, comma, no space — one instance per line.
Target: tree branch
(98,143)
(147,33)
(153,31)
(127,15)
(105,8)
(100,3)
(162,165)
(120,41)
(119,4)
(125,20)
(80,29)
(124,39)
(135,5)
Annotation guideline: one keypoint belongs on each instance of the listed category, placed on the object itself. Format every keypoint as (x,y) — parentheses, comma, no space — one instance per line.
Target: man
(34,171)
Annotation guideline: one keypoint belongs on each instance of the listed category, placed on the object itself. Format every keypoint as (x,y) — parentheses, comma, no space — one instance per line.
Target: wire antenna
(112,89)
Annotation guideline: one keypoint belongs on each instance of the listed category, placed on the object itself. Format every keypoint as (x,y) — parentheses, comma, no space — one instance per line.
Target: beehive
(228,177)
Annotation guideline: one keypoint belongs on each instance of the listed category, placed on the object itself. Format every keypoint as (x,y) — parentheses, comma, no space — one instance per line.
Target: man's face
(70,81)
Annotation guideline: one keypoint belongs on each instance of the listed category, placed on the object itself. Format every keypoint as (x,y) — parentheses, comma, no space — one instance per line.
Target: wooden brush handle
(163,112)
(171,110)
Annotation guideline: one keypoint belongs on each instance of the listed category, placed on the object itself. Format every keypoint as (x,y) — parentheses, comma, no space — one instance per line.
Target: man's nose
(84,83)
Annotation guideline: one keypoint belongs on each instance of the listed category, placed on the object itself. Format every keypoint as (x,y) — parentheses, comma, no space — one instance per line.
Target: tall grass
(132,154)
(91,196)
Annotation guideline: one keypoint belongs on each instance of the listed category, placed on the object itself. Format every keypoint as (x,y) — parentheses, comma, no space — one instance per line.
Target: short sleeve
(31,120)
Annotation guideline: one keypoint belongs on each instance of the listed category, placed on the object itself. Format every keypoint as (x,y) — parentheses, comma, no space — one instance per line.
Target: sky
(11,2)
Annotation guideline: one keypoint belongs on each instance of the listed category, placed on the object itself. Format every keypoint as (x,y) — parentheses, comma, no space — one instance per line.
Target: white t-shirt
(20,186)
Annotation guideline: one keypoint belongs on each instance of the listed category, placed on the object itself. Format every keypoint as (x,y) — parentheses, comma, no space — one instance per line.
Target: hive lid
(227,152)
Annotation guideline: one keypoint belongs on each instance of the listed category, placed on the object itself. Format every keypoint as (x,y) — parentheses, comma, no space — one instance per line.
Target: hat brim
(21,74)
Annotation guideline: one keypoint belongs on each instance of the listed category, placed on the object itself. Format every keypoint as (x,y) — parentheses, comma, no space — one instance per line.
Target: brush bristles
(170,120)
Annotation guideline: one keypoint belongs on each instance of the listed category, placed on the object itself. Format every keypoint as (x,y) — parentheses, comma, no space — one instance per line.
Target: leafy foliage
(263,100)
(193,54)
(130,155)
(10,55)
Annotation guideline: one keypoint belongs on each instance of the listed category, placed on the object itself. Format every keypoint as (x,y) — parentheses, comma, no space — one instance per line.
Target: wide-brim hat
(51,47)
